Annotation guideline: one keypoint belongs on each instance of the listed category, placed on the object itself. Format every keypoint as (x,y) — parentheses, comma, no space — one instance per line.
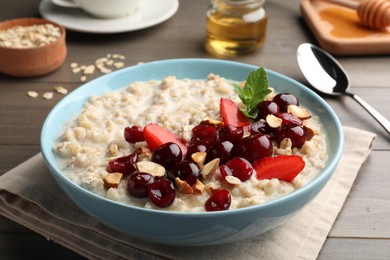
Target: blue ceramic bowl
(178,228)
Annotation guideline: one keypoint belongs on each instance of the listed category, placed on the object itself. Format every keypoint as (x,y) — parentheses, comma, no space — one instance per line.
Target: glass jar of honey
(235,27)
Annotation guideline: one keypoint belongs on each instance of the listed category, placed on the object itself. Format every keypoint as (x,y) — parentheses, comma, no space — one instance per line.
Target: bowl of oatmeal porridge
(187,152)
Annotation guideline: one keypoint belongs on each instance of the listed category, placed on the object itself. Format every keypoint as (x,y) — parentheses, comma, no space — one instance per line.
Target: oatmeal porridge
(175,132)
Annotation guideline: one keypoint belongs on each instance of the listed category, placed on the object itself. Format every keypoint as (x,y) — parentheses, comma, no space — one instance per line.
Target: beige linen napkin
(29,196)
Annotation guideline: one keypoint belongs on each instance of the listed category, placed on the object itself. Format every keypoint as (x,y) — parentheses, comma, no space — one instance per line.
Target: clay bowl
(32,61)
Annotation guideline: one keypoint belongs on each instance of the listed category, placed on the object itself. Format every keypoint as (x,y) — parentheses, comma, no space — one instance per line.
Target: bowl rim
(322,177)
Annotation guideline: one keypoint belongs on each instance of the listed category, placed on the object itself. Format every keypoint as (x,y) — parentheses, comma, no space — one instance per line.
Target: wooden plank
(13,155)
(367,209)
(355,249)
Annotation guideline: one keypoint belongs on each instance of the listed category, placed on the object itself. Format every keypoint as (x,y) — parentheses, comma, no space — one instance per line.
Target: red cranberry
(138,183)
(162,193)
(261,127)
(204,134)
(231,133)
(237,167)
(194,149)
(284,100)
(219,200)
(222,150)
(124,164)
(289,119)
(134,134)
(296,134)
(266,108)
(167,155)
(186,171)
(254,147)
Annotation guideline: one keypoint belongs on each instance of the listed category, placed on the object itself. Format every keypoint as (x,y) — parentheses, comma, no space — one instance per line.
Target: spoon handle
(378,116)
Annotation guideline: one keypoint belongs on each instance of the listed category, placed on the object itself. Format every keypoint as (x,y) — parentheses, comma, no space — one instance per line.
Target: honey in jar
(235,27)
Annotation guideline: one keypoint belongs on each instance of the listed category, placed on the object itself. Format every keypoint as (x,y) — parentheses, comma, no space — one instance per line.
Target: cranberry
(231,133)
(289,119)
(296,134)
(194,149)
(219,200)
(162,193)
(222,150)
(137,184)
(261,127)
(254,147)
(237,167)
(134,134)
(266,108)
(186,171)
(167,155)
(124,164)
(204,134)
(284,100)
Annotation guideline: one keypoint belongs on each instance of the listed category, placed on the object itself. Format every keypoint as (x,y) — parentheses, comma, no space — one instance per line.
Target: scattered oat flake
(83,78)
(47,95)
(118,56)
(32,94)
(90,69)
(60,90)
(74,65)
(119,65)
(76,70)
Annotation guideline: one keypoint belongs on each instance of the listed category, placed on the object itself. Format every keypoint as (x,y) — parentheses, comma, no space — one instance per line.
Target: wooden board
(339,30)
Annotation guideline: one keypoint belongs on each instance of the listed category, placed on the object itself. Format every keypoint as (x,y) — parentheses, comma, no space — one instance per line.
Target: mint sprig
(254,91)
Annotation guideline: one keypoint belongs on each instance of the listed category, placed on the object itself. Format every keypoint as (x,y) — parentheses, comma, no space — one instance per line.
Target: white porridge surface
(95,137)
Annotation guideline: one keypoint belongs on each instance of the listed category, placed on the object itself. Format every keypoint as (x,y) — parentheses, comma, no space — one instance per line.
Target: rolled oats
(60,90)
(48,95)
(32,94)
(29,36)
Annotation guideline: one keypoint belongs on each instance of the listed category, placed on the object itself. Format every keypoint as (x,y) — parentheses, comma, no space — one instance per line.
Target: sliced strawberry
(156,135)
(231,113)
(282,167)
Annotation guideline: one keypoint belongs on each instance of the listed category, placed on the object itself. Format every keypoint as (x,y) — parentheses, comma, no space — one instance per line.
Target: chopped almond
(112,180)
(152,168)
(233,180)
(210,168)
(199,158)
(299,112)
(183,186)
(216,123)
(199,187)
(273,121)
(309,133)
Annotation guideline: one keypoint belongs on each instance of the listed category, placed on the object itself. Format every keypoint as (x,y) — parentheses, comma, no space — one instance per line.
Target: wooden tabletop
(362,229)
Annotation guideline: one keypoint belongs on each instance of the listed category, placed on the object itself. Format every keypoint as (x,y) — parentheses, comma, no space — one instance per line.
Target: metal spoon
(326,75)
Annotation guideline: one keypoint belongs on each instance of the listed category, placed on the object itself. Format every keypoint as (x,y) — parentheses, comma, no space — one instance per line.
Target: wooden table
(361,231)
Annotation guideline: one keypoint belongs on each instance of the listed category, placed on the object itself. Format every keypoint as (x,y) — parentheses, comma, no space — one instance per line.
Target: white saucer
(150,12)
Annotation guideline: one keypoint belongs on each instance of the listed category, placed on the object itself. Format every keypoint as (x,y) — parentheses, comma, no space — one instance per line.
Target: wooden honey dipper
(372,13)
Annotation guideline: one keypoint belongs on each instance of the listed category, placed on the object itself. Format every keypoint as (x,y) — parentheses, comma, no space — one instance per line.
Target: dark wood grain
(361,230)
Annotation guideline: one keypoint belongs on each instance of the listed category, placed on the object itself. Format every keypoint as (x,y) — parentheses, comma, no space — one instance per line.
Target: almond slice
(152,168)
(183,186)
(299,112)
(233,180)
(199,187)
(273,121)
(210,168)
(309,133)
(199,158)
(216,123)
(112,180)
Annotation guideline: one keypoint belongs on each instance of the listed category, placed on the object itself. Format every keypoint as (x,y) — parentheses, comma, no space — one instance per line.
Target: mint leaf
(254,91)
